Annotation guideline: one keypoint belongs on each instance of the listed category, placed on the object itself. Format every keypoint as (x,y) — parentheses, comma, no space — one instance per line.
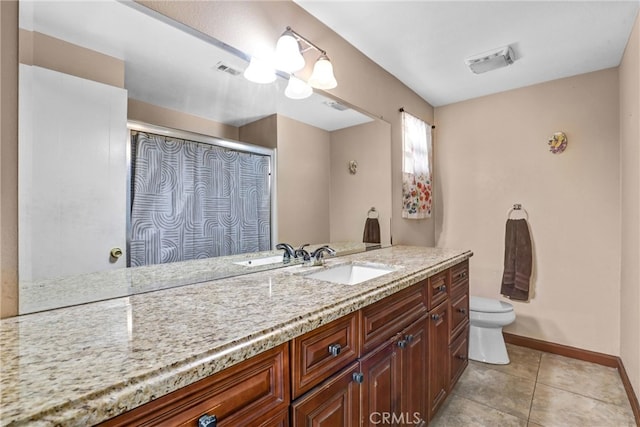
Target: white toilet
(487,317)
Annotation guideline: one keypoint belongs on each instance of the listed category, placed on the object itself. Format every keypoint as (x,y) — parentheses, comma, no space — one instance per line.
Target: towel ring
(517,207)
(374,211)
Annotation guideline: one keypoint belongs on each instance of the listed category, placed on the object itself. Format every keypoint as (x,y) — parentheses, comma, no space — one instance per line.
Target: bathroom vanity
(270,348)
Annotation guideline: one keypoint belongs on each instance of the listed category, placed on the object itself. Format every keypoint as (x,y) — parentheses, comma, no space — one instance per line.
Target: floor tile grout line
(490,407)
(535,385)
(581,395)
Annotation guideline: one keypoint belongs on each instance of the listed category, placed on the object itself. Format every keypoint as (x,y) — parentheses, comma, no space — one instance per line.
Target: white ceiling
(424,43)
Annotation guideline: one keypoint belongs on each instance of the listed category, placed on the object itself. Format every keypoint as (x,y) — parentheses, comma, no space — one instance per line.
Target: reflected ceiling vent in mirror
(221,66)
(491,60)
(336,105)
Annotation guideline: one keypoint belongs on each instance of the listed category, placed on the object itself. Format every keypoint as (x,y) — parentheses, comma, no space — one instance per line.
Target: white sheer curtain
(416,168)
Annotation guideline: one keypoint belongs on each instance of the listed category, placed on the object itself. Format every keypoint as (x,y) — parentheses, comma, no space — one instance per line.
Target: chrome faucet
(318,254)
(289,252)
(302,252)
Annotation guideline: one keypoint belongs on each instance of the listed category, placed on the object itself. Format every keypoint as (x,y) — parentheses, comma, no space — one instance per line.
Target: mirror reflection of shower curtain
(191,200)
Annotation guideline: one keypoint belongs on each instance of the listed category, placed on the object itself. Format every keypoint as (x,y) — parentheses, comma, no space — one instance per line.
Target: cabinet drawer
(317,355)
(437,288)
(249,393)
(335,402)
(458,357)
(385,318)
(459,314)
(460,278)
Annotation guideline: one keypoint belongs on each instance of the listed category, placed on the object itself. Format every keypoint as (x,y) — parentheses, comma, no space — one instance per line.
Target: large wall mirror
(91,73)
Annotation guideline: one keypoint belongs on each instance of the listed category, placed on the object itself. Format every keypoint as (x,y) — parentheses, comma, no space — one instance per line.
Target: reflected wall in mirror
(89,68)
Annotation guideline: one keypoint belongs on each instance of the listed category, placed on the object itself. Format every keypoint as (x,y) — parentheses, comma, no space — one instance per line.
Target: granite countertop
(51,293)
(85,364)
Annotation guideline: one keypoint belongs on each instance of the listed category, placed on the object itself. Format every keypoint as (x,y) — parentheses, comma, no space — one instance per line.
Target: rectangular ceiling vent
(336,105)
(491,60)
(221,66)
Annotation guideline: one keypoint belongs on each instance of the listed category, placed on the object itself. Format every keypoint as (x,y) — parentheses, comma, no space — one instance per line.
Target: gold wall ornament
(558,142)
(353,167)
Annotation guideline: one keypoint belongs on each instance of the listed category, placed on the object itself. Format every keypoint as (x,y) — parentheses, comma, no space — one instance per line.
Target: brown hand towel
(371,231)
(517,260)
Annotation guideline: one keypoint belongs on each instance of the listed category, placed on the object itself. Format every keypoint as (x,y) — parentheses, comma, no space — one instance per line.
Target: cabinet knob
(463,274)
(442,288)
(335,349)
(462,310)
(435,317)
(461,356)
(402,343)
(207,421)
(358,377)
(408,338)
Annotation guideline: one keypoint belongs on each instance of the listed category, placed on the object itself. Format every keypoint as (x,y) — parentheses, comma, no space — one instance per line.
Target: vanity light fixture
(297,88)
(259,71)
(289,59)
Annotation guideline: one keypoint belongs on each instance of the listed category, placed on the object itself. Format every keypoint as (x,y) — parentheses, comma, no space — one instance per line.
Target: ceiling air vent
(221,66)
(336,105)
(491,60)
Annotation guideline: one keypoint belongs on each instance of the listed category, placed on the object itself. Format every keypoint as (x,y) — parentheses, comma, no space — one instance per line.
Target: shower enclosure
(193,196)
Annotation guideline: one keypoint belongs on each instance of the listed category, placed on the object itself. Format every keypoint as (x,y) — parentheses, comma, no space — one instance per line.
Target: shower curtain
(192,200)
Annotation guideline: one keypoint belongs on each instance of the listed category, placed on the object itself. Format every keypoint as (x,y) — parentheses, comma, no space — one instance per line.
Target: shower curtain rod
(402,110)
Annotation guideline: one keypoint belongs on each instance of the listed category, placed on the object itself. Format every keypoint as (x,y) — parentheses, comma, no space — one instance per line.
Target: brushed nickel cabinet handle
(335,349)
(207,421)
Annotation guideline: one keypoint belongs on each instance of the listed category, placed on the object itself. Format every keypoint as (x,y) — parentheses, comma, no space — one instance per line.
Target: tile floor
(537,389)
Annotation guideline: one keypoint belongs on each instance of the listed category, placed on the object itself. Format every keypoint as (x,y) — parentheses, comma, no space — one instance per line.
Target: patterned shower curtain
(192,200)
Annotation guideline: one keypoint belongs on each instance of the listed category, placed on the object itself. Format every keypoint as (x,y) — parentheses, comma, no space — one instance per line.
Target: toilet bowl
(487,317)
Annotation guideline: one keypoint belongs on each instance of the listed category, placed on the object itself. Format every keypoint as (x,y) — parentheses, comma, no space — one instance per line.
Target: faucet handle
(302,252)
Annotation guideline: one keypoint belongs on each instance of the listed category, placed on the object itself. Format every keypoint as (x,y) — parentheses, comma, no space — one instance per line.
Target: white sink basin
(351,274)
(256,262)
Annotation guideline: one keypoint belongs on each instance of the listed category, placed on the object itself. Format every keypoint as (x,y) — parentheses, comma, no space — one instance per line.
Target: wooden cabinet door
(336,403)
(415,372)
(381,384)
(438,356)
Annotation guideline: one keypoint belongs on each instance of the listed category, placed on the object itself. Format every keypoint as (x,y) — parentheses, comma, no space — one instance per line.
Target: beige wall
(630,194)
(492,152)
(8,158)
(55,54)
(159,116)
(262,132)
(304,184)
(353,195)
(254,27)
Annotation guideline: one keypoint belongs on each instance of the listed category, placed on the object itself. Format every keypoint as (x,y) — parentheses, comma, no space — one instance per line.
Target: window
(416,168)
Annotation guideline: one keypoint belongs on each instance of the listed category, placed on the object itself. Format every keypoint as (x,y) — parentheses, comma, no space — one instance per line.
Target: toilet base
(487,345)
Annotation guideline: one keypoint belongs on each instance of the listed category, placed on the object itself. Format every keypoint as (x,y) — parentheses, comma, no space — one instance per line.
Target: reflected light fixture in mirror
(297,88)
(259,71)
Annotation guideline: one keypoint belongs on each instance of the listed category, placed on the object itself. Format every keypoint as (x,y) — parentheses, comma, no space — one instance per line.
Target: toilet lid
(488,305)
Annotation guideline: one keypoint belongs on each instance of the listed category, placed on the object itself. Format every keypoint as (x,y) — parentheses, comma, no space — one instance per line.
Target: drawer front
(459,314)
(385,318)
(460,278)
(458,357)
(336,403)
(317,355)
(437,288)
(245,394)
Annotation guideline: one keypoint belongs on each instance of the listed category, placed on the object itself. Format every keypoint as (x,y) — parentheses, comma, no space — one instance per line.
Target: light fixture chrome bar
(304,39)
